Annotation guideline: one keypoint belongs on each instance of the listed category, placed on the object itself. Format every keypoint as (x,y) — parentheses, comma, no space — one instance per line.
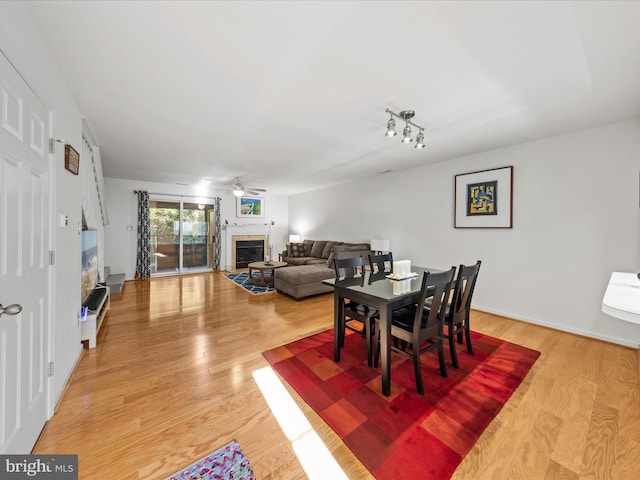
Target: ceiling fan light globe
(238,192)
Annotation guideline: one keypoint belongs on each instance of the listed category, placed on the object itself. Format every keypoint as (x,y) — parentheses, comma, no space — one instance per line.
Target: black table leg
(385,350)
(337,335)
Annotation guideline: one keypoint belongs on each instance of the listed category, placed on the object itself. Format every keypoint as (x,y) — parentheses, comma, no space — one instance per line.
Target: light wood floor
(171,380)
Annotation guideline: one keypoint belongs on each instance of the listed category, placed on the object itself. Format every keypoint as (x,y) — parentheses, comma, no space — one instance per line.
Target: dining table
(379,291)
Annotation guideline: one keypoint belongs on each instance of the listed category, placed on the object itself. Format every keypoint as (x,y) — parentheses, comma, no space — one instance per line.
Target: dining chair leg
(452,349)
(376,353)
(467,334)
(367,329)
(417,371)
(443,368)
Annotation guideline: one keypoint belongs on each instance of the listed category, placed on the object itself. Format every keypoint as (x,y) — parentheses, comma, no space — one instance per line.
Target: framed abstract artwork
(250,207)
(484,199)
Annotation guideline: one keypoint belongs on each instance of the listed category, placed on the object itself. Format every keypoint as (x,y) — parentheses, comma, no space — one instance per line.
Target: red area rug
(405,435)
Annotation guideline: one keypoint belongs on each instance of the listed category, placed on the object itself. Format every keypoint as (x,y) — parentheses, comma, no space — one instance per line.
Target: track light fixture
(405,115)
(391,128)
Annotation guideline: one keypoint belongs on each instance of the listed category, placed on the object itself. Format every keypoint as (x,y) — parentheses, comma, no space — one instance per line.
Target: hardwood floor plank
(171,380)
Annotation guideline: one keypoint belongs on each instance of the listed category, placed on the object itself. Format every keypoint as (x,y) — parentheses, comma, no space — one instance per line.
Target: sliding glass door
(181,237)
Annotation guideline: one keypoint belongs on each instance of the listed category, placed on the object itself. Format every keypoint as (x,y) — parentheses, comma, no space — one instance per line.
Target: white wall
(20,40)
(120,244)
(576,219)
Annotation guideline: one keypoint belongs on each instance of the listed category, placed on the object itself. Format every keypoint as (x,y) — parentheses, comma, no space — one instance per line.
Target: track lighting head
(391,128)
(406,134)
(405,115)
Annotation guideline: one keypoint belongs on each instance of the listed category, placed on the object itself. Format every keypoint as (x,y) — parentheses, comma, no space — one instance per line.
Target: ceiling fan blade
(258,189)
(254,191)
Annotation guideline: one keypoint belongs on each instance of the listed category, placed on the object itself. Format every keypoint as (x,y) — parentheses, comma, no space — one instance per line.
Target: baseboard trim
(563,328)
(68,381)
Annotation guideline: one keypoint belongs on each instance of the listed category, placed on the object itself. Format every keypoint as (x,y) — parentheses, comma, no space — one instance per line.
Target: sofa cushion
(296,250)
(308,245)
(318,247)
(304,274)
(328,247)
(299,260)
(316,261)
(303,281)
(348,251)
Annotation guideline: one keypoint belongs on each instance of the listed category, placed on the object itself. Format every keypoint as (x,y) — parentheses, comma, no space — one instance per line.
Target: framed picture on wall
(250,207)
(71,159)
(484,199)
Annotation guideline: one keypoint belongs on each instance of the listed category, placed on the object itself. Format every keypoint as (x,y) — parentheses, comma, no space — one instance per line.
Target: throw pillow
(297,250)
(318,247)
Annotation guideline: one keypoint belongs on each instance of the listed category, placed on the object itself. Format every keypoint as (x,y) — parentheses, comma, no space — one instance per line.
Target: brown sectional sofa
(311,262)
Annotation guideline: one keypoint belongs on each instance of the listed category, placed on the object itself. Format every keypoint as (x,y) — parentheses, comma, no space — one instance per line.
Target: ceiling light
(405,115)
(406,134)
(391,128)
(237,191)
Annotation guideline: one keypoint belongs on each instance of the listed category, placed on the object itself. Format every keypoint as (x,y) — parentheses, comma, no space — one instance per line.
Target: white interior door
(24,227)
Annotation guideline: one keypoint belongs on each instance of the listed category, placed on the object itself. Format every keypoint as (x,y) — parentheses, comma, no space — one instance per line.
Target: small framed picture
(484,199)
(71,159)
(250,207)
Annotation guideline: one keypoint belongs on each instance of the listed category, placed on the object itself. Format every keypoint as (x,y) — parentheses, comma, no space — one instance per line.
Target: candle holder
(267,258)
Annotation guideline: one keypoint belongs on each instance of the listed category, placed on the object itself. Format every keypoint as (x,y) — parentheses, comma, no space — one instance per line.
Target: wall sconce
(380,246)
(295,238)
(405,115)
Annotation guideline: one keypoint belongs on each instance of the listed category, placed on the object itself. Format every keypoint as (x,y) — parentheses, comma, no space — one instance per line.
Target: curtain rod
(177,195)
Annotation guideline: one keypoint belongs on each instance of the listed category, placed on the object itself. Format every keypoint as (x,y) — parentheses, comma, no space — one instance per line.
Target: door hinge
(52,257)
(51,369)
(52,144)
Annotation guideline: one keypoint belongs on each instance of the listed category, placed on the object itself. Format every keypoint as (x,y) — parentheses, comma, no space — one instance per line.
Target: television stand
(90,327)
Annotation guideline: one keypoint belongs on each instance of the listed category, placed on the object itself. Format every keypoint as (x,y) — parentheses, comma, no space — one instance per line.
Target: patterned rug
(242,280)
(226,463)
(405,435)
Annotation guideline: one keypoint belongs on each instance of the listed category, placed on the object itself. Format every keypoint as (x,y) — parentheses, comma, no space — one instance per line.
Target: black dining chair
(348,267)
(381,263)
(357,317)
(458,311)
(422,328)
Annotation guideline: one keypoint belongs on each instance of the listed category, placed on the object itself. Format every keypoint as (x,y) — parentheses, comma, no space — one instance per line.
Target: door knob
(13,309)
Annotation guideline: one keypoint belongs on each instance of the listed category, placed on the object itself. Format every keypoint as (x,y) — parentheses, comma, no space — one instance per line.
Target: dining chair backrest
(437,286)
(381,263)
(463,292)
(348,267)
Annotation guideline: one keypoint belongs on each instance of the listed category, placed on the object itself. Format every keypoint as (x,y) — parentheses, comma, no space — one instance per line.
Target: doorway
(181,237)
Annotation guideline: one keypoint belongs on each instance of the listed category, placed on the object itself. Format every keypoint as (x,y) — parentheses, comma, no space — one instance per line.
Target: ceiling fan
(239,189)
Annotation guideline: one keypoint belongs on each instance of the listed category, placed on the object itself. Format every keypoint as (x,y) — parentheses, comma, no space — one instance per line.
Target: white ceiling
(291,96)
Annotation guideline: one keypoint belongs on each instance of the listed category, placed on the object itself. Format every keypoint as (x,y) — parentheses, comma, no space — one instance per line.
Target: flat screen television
(89,262)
